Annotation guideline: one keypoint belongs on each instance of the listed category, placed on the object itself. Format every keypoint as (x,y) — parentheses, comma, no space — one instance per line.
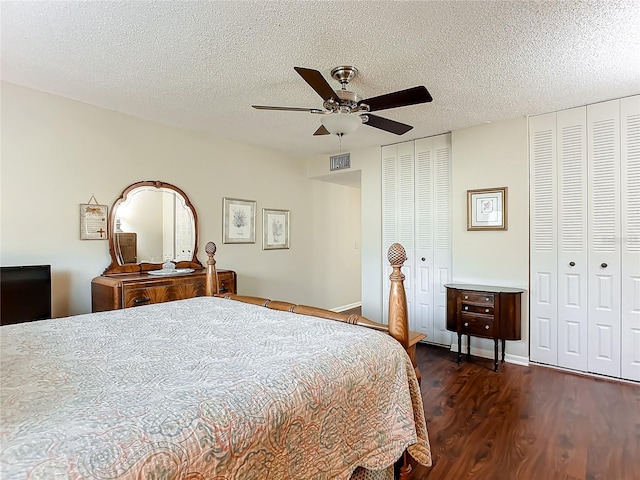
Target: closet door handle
(603,265)
(572,264)
(423,259)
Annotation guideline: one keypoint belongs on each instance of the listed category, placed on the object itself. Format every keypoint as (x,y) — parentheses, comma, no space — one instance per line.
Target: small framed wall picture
(93,221)
(487,209)
(239,220)
(275,229)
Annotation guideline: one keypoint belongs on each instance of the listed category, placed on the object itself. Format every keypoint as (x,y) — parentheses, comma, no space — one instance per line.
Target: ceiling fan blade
(386,124)
(321,131)
(316,81)
(402,98)
(287,109)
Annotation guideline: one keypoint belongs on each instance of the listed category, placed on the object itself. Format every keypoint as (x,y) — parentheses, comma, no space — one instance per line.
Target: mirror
(151,223)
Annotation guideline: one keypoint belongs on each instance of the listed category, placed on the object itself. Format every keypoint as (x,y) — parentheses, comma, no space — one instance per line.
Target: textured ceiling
(200,65)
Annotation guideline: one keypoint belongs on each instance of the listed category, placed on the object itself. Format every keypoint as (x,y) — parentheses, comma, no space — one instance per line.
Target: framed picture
(487,209)
(275,229)
(93,221)
(239,217)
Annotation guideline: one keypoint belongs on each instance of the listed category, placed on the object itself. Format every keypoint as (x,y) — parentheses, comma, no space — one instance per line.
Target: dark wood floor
(525,422)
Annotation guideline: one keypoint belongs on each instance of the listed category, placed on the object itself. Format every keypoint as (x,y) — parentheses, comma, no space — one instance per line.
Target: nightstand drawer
(227,282)
(477,298)
(477,325)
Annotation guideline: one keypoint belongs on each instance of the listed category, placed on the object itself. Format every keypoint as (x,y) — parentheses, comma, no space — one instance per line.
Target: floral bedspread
(204,388)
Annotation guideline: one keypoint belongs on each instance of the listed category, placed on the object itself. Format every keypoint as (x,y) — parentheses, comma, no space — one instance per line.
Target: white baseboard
(586,374)
(346,307)
(480,352)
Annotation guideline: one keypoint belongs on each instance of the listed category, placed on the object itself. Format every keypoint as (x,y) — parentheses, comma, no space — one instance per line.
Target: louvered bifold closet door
(604,268)
(406,225)
(389,217)
(572,239)
(398,216)
(630,196)
(424,206)
(442,235)
(543,231)
(433,236)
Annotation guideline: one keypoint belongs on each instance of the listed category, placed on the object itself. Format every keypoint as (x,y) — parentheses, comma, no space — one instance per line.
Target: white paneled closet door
(572,239)
(543,230)
(604,226)
(630,199)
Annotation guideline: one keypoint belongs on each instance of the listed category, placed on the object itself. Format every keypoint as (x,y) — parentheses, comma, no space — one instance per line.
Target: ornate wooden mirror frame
(116,265)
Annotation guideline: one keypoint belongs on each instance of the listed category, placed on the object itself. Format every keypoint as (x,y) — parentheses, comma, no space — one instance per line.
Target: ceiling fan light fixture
(341,123)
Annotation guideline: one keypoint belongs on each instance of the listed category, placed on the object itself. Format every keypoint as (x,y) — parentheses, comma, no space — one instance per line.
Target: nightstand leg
(495,355)
(468,347)
(459,348)
(503,342)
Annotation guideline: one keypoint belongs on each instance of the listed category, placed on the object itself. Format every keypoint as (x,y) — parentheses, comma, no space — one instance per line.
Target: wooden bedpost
(399,328)
(399,324)
(211,282)
(398,317)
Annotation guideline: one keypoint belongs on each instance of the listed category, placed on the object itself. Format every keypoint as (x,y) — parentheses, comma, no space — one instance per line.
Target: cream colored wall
(56,153)
(493,155)
(368,162)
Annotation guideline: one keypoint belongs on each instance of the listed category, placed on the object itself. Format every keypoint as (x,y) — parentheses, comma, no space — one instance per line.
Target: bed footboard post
(211,282)
(398,317)
(399,326)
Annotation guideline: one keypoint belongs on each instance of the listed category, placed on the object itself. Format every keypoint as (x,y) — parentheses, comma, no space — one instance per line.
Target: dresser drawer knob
(486,310)
(139,301)
(486,299)
(466,308)
(466,297)
(486,327)
(466,324)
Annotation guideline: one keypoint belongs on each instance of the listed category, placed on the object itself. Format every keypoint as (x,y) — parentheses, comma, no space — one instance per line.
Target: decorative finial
(396,254)
(210,248)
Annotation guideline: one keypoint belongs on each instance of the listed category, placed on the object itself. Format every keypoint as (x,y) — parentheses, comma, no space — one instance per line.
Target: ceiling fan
(343,111)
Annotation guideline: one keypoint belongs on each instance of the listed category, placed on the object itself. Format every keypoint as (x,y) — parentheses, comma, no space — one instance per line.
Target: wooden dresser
(112,292)
(486,312)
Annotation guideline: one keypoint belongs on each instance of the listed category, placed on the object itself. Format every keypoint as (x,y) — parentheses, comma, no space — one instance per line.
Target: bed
(214,387)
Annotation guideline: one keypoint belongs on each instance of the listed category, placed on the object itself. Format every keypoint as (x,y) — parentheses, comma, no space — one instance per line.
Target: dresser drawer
(136,296)
(477,298)
(111,292)
(471,308)
(477,325)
